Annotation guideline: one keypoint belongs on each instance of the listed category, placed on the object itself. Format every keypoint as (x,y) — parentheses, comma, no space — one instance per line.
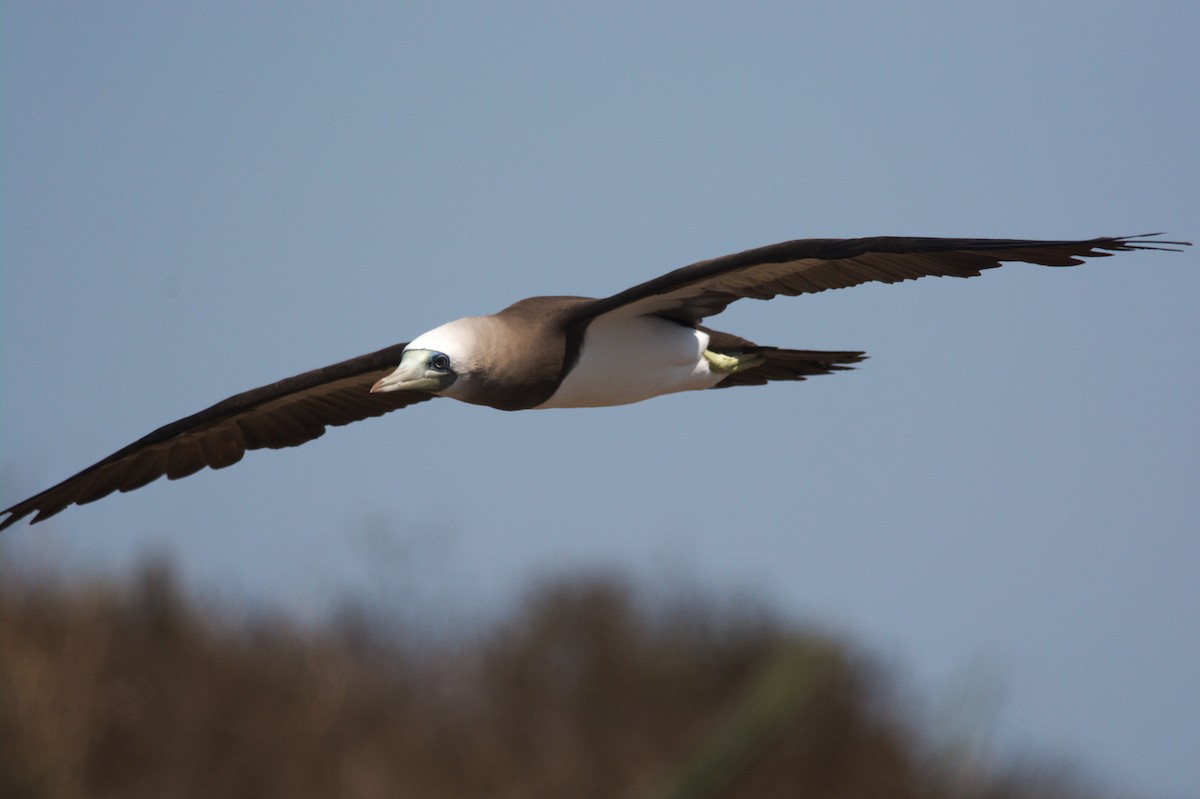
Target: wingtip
(16,513)
(1147,241)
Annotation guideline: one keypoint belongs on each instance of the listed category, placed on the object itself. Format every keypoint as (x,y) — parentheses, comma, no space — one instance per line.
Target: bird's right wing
(806,266)
(286,413)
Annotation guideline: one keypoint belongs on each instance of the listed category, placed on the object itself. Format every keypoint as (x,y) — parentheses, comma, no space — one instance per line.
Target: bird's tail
(779,364)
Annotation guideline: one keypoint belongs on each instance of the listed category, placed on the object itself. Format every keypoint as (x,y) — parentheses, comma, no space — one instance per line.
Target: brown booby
(563,352)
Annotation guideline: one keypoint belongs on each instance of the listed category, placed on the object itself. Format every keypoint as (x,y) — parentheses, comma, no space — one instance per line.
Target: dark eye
(439,362)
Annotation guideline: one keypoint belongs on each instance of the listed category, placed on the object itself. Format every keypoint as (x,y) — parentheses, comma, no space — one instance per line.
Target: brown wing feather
(806,266)
(283,414)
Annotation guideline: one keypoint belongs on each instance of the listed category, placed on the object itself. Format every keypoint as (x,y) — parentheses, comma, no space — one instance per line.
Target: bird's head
(437,360)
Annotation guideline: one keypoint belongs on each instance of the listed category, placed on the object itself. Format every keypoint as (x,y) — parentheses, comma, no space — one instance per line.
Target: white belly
(632,359)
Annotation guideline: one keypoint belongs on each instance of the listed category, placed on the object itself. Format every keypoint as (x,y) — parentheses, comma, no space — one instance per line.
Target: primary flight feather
(557,352)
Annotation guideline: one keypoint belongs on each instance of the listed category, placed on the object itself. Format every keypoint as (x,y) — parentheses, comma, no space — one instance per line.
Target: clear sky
(201,198)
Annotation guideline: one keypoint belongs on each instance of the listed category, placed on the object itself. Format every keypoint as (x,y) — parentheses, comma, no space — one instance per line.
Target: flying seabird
(563,352)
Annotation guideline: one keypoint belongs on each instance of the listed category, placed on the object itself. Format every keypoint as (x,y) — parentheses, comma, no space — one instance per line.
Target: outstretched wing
(806,266)
(283,414)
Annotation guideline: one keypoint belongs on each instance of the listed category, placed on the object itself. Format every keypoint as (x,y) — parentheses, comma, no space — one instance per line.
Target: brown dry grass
(584,691)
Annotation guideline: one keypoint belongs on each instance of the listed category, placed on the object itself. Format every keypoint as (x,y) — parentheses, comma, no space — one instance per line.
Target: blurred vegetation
(584,690)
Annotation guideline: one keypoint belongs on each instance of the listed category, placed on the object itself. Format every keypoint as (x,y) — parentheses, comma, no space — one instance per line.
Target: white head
(436,361)
(507,361)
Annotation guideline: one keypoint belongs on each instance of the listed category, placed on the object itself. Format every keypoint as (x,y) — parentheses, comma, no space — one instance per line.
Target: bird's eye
(439,362)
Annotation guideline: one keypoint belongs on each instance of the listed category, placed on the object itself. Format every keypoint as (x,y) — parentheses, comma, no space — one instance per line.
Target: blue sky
(198,200)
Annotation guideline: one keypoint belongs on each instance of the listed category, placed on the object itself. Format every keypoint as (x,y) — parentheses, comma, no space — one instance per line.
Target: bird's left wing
(283,414)
(806,266)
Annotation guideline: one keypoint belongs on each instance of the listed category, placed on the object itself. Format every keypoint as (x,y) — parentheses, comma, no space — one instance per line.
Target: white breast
(632,359)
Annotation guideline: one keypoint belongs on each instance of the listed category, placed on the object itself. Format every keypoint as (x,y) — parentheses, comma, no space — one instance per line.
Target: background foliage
(587,689)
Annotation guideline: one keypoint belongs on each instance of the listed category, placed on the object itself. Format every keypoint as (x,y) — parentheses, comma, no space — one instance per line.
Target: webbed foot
(729,363)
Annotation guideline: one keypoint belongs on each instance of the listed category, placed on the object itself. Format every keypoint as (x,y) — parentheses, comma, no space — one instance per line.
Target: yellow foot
(729,363)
